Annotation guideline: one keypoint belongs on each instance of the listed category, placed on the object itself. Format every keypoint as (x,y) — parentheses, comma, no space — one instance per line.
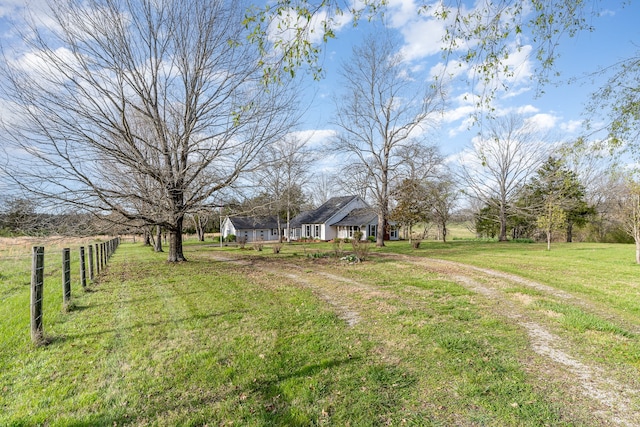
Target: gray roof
(254,222)
(323,213)
(358,217)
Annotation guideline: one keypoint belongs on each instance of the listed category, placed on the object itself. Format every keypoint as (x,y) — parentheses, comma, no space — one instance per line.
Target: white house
(363,220)
(318,223)
(339,217)
(252,229)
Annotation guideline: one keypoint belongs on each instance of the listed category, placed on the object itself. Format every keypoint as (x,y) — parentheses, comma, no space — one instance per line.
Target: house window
(393,233)
(352,229)
(317,231)
(372,230)
(307,231)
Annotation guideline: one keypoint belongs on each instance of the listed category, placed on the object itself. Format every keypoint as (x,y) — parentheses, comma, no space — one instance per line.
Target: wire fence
(81,265)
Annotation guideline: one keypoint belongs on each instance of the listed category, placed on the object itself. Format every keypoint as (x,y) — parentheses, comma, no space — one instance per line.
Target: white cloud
(422,38)
(543,121)
(315,137)
(446,72)
(572,126)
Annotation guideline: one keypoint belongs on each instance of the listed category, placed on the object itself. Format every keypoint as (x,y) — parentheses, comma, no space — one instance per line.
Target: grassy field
(241,337)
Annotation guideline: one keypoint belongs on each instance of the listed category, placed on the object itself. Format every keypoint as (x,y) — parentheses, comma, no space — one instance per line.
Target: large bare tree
(145,108)
(380,113)
(499,163)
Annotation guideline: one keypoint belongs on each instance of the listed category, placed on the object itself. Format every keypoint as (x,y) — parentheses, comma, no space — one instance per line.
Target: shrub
(338,247)
(317,255)
(372,239)
(276,248)
(231,238)
(522,240)
(415,244)
(360,248)
(242,241)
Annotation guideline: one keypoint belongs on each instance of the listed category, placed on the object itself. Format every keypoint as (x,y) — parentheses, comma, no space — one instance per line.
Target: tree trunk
(503,224)
(637,251)
(147,237)
(444,232)
(175,242)
(158,242)
(569,231)
(548,240)
(380,230)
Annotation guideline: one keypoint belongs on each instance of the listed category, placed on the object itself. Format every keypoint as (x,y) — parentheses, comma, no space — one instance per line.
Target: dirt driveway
(611,395)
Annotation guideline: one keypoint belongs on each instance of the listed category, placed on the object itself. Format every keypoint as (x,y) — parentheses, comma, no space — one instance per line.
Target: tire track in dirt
(613,401)
(341,307)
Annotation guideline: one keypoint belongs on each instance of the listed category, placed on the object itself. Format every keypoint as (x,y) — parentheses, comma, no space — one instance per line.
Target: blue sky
(560,109)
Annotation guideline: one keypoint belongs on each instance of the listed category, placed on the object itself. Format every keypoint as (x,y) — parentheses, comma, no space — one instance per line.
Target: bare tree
(169,95)
(420,161)
(322,188)
(283,175)
(500,162)
(628,211)
(381,112)
(443,196)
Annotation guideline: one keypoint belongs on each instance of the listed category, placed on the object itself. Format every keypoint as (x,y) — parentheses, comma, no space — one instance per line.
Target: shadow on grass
(62,338)
(277,410)
(142,299)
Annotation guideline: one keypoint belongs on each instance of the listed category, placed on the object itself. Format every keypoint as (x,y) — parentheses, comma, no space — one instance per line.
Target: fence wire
(18,269)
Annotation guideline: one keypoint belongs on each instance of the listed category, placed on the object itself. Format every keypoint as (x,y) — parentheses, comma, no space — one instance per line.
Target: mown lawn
(604,273)
(221,343)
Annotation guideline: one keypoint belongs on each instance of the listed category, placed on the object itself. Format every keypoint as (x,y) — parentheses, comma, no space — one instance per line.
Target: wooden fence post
(66,278)
(91,262)
(37,288)
(98,259)
(83,270)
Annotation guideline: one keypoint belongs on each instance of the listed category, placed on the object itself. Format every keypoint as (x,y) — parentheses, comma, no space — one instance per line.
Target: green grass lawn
(222,343)
(604,273)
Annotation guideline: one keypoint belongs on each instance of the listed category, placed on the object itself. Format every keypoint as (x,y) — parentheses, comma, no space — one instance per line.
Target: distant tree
(556,183)
(628,212)
(486,221)
(282,175)
(552,218)
(379,114)
(412,204)
(443,195)
(19,216)
(322,187)
(495,169)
